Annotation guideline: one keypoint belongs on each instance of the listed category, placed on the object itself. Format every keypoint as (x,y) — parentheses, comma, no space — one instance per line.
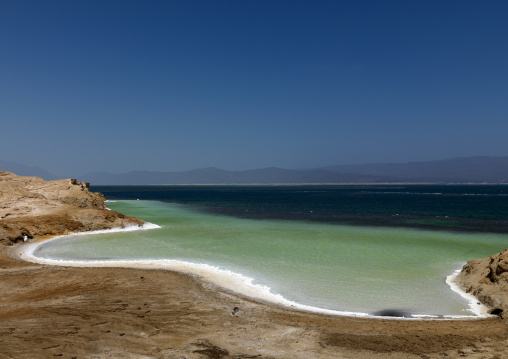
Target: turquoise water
(326,265)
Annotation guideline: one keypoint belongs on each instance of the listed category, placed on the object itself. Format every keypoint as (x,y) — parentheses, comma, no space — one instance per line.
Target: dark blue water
(468,208)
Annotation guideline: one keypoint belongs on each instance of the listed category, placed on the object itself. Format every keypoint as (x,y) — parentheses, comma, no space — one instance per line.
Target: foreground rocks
(487,280)
(30,207)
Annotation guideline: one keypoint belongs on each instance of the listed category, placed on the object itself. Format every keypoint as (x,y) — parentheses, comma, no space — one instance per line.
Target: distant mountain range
(213,175)
(22,170)
(465,169)
(457,170)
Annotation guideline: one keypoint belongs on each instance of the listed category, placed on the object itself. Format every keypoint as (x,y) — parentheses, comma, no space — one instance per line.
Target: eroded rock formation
(487,280)
(30,206)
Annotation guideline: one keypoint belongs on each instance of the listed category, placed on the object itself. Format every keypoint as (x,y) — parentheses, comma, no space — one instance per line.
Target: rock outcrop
(31,206)
(487,280)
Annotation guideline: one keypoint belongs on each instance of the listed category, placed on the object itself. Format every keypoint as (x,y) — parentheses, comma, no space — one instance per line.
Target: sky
(241,84)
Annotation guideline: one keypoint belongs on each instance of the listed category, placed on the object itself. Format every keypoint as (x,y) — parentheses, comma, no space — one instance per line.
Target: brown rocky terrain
(33,207)
(68,312)
(487,280)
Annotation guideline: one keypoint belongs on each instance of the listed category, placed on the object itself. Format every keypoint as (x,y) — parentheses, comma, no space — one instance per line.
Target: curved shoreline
(475,306)
(237,283)
(85,312)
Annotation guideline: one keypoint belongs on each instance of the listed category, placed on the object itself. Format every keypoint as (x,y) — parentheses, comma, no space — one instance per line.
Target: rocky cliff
(487,280)
(31,206)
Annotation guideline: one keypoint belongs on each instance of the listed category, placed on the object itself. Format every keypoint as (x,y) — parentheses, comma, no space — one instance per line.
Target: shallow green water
(346,268)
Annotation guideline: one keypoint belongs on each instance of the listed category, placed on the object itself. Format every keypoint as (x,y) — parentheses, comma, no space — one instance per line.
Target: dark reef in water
(367,219)
(462,208)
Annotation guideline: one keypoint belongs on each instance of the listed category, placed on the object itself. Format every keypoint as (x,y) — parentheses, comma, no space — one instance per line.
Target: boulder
(487,280)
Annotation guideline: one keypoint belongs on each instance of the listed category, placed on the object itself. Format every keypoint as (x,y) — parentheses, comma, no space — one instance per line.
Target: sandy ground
(68,312)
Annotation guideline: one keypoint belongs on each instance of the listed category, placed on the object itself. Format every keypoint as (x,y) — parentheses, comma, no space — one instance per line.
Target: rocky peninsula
(487,280)
(31,207)
(69,312)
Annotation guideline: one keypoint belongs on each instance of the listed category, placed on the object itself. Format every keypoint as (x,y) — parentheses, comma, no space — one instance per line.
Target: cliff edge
(31,206)
(487,280)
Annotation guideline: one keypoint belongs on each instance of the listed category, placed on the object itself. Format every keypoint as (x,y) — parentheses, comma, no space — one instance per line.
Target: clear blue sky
(176,85)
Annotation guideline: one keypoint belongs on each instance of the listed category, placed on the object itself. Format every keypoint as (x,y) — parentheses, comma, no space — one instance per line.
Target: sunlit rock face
(31,206)
(487,279)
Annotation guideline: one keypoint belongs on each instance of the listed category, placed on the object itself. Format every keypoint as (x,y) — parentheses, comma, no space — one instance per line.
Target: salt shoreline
(54,311)
(235,282)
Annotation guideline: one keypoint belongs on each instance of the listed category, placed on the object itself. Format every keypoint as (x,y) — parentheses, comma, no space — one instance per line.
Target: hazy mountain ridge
(22,170)
(218,176)
(457,170)
(464,169)
(481,169)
